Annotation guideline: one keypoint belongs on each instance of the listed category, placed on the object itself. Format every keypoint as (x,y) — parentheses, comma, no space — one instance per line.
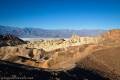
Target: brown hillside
(106,60)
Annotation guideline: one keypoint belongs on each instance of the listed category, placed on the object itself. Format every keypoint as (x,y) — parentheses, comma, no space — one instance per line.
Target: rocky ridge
(10,40)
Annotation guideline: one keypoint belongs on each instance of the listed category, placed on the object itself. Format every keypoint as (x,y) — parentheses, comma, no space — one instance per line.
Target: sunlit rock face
(84,40)
(49,45)
(8,52)
(75,38)
(31,57)
(112,35)
(111,38)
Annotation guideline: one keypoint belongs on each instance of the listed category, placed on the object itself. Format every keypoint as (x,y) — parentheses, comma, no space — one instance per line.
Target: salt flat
(37,39)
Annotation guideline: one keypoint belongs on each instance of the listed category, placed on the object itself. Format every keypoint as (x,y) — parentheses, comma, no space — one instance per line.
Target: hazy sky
(61,14)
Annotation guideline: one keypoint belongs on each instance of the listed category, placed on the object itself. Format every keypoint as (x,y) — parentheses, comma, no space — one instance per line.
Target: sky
(61,14)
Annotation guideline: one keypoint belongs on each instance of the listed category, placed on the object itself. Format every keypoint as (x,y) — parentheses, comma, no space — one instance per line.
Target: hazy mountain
(38,32)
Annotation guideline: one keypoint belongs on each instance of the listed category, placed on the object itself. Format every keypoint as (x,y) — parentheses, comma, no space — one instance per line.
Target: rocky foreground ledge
(17,71)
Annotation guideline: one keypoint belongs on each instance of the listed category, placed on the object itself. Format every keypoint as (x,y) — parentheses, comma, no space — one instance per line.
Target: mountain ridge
(54,33)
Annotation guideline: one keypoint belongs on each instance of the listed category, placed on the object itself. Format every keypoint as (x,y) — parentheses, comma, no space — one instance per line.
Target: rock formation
(112,35)
(10,40)
(112,38)
(90,53)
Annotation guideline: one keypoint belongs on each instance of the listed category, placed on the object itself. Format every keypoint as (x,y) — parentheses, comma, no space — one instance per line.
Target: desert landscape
(59,39)
(74,58)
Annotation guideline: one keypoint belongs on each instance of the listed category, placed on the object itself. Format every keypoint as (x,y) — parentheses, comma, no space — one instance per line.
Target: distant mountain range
(46,33)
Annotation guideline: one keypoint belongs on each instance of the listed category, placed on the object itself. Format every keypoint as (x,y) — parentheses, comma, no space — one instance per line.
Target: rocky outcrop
(85,40)
(9,51)
(112,35)
(111,38)
(10,40)
(75,40)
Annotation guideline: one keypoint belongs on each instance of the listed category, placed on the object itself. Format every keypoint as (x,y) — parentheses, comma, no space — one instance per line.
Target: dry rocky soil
(78,58)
